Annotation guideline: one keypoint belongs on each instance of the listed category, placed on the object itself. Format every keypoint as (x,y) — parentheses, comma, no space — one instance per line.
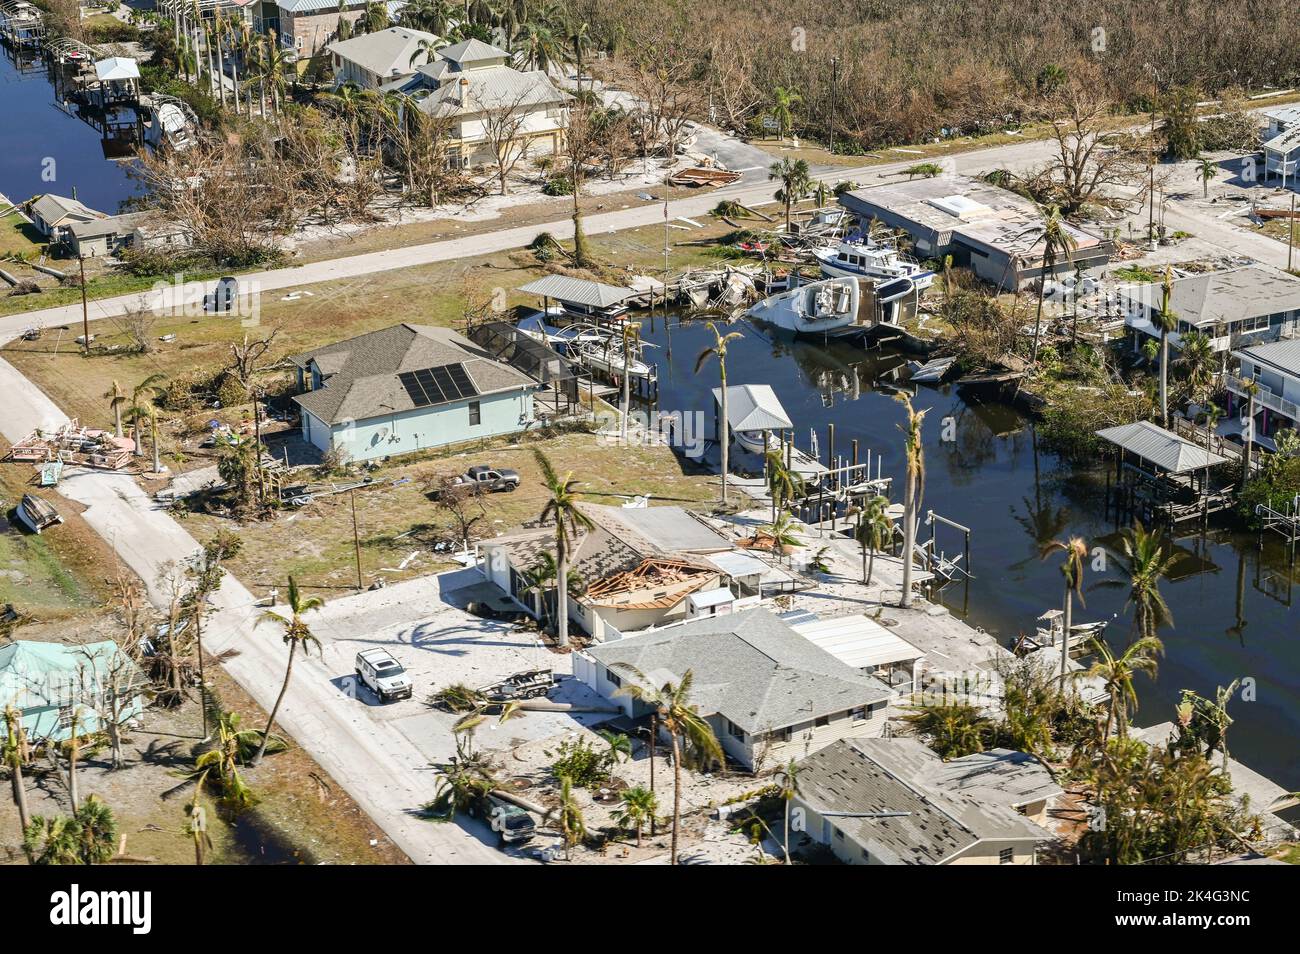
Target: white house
(1275,368)
(1282,143)
(372,60)
(407,388)
(769,694)
(472,85)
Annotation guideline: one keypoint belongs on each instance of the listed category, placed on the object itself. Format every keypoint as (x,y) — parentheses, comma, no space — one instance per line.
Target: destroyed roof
(362,373)
(997,776)
(753,407)
(579,291)
(386,53)
(1250,291)
(886,775)
(664,530)
(1160,447)
(750,668)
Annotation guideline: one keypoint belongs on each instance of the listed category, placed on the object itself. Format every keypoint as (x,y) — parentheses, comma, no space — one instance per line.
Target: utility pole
(356,539)
(1290,241)
(85,310)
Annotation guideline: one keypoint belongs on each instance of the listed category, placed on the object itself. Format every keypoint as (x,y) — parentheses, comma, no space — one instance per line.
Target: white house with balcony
(1282,143)
(372,60)
(1239,306)
(472,85)
(1275,369)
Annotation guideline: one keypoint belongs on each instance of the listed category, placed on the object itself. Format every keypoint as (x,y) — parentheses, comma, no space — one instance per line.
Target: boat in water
(879,263)
(610,360)
(37,514)
(815,308)
(931,372)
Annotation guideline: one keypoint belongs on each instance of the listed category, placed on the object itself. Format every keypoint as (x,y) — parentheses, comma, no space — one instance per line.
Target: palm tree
(875,529)
(1057,238)
(568,815)
(542,48)
(1145,559)
(1197,357)
(1117,673)
(234,747)
(138,410)
(1208,719)
(14,754)
(637,806)
(562,507)
(783,483)
(1166,322)
(1076,552)
(1206,168)
(296,633)
(782,532)
(52,841)
(952,729)
(116,401)
(719,350)
(796,180)
(914,459)
(783,102)
(1251,388)
(686,728)
(96,831)
(789,788)
(541,576)
(432,16)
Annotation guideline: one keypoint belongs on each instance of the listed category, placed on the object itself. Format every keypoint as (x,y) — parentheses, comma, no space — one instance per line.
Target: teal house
(407,388)
(53,684)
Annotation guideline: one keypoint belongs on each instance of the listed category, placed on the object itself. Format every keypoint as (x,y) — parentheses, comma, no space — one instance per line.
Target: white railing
(1264,397)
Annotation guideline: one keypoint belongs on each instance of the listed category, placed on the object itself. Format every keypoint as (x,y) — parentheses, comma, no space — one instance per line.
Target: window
(65,717)
(839,835)
(735,731)
(821,721)
(861,714)
(1007,856)
(613,677)
(475,414)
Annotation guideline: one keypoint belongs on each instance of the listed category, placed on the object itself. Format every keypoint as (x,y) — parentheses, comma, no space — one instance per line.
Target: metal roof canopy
(116,69)
(579,291)
(858,641)
(1164,449)
(753,407)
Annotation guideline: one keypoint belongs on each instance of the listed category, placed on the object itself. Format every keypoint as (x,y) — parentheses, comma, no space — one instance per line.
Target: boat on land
(536,327)
(879,263)
(815,308)
(37,513)
(609,359)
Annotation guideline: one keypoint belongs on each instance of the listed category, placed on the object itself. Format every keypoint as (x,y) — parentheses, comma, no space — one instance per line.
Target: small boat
(869,260)
(535,327)
(612,361)
(931,372)
(1049,635)
(37,514)
(814,308)
(756,442)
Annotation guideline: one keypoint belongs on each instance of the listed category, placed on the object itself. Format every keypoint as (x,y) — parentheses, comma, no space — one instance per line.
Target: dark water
(1229,603)
(35,128)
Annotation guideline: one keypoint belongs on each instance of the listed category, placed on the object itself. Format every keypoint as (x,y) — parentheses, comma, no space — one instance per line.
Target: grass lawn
(59,574)
(315,544)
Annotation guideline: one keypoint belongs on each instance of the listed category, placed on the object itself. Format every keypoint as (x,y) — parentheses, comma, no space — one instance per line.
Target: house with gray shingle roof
(472,87)
(769,694)
(895,802)
(407,388)
(54,215)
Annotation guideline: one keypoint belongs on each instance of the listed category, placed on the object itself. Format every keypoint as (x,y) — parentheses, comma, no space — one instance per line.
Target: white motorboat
(814,308)
(536,327)
(869,260)
(611,360)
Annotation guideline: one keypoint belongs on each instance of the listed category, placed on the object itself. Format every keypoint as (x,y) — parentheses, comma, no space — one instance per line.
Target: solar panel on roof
(448,382)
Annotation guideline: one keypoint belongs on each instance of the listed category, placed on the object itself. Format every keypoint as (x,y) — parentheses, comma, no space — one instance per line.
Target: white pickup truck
(383,674)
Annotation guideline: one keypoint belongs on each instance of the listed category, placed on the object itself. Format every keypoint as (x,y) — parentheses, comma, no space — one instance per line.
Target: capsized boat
(37,513)
(814,308)
(931,372)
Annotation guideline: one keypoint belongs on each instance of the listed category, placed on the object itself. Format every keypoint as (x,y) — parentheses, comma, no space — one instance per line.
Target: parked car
(383,674)
(511,823)
(489,479)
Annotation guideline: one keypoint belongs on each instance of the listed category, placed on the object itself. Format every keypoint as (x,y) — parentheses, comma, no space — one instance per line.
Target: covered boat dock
(1161,476)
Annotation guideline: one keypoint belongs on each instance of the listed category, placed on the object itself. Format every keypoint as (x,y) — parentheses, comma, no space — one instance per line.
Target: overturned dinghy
(36,514)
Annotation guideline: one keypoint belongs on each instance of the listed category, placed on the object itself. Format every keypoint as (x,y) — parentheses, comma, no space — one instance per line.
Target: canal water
(1230,602)
(46,147)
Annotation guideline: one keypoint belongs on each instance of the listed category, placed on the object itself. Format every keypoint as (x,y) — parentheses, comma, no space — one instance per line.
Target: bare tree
(463,502)
(504,121)
(665,81)
(1090,161)
(136,325)
(109,685)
